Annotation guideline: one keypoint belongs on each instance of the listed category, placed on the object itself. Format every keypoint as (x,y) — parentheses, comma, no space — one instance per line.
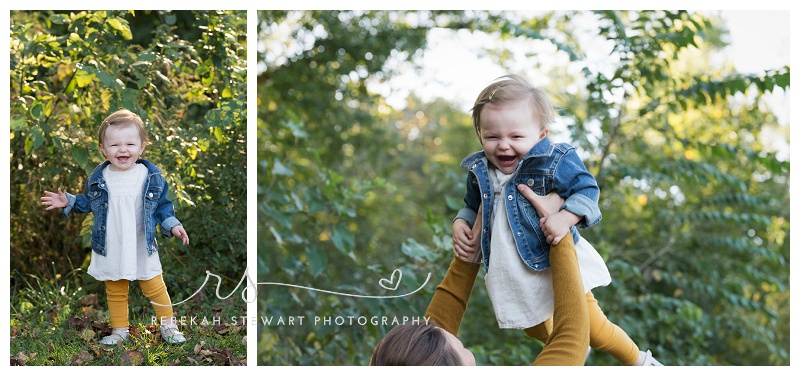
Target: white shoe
(648,359)
(117,336)
(175,338)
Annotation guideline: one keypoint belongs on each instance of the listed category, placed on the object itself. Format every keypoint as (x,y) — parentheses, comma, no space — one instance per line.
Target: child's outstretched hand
(55,200)
(181,233)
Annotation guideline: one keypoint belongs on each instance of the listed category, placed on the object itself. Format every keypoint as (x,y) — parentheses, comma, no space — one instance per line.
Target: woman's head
(420,345)
(510,89)
(122,139)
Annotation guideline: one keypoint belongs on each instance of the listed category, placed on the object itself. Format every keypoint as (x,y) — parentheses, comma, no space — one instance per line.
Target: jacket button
(151,194)
(535,265)
(530,182)
(103,228)
(485,195)
(105,204)
(475,165)
(510,197)
(102,185)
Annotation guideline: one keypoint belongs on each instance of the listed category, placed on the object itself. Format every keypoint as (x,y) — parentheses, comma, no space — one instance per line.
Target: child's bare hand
(181,233)
(55,200)
(463,239)
(555,222)
(557,225)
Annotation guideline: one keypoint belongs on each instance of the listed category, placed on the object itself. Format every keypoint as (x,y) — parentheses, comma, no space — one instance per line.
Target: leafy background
(184,73)
(695,197)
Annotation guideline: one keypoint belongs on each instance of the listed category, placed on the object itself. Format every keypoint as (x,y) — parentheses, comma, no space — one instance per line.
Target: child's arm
(165,216)
(67,202)
(573,182)
(55,200)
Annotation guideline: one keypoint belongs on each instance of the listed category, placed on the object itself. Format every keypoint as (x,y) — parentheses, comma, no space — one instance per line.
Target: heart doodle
(387,283)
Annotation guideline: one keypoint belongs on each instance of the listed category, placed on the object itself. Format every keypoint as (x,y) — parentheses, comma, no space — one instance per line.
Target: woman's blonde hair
(122,117)
(513,88)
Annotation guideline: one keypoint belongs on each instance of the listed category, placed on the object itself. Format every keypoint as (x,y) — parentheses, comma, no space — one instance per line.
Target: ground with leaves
(66,331)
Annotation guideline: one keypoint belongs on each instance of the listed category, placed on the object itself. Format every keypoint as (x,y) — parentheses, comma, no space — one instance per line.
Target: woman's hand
(463,239)
(466,245)
(544,205)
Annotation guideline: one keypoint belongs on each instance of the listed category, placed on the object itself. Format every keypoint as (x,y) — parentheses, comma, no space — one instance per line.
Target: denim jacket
(546,167)
(158,208)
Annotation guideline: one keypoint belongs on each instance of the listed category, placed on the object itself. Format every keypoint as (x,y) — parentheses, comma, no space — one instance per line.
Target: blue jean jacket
(158,208)
(547,167)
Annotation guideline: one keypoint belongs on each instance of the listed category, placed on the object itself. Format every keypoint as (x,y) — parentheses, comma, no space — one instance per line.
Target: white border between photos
(252,6)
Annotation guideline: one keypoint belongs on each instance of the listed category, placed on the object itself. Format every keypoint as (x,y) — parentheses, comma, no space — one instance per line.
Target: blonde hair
(121,118)
(509,89)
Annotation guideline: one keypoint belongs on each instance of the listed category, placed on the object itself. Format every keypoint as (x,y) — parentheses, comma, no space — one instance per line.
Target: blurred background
(363,118)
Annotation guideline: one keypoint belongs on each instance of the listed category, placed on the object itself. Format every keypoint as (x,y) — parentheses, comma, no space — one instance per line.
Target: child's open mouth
(507,159)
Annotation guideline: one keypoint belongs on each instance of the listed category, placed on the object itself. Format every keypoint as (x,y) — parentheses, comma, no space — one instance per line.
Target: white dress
(126,247)
(522,297)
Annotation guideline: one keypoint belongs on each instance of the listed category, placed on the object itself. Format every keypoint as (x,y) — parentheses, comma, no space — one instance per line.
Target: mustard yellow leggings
(603,334)
(154,289)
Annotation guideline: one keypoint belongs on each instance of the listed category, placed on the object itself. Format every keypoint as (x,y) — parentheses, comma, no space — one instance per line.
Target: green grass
(54,321)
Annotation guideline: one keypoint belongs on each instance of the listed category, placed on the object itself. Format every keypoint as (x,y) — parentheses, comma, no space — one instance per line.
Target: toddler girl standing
(128,197)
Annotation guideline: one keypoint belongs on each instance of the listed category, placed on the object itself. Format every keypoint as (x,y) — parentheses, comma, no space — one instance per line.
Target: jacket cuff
(67,209)
(467,215)
(168,224)
(583,207)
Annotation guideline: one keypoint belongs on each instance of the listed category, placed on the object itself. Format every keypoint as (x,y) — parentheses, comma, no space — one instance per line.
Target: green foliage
(184,73)
(694,199)
(55,321)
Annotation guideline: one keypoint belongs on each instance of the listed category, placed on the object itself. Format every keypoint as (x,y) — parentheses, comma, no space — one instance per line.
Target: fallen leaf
(78,323)
(21,359)
(132,358)
(199,347)
(244,340)
(82,358)
(191,360)
(87,334)
(88,300)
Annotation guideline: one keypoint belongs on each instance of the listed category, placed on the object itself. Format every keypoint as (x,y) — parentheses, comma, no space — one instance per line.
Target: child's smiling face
(122,146)
(508,132)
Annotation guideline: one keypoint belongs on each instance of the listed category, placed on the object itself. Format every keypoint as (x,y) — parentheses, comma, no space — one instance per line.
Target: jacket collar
(97,175)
